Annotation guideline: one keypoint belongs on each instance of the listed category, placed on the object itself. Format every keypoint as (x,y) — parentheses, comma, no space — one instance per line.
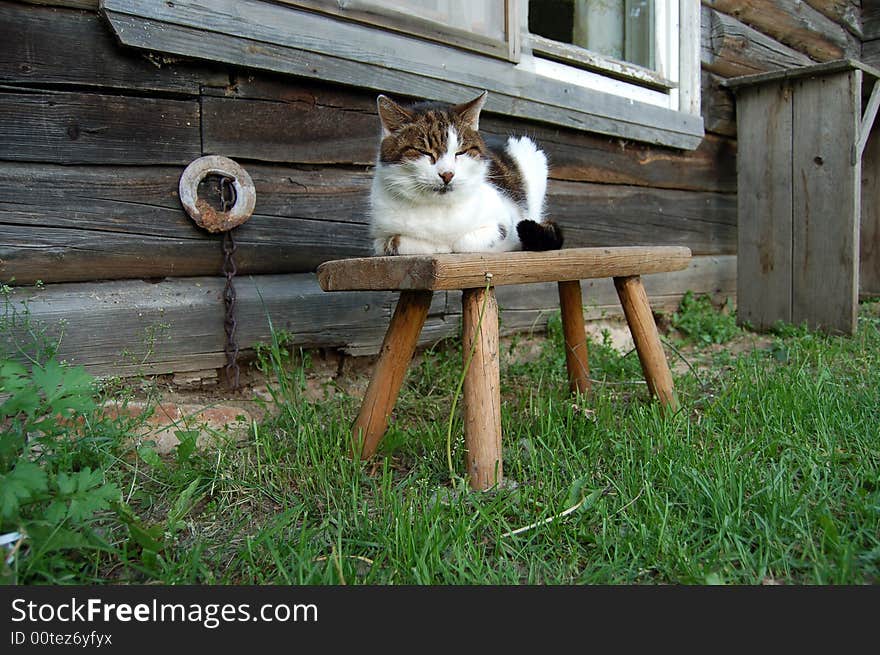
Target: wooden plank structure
(417,277)
(802,134)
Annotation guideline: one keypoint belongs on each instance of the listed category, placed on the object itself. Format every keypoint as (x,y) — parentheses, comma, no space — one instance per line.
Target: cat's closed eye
(410,152)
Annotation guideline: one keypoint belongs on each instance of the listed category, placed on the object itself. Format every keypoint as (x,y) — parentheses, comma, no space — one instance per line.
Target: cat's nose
(447,176)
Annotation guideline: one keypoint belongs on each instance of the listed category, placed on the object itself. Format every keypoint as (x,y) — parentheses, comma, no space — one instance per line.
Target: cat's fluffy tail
(534,232)
(532,164)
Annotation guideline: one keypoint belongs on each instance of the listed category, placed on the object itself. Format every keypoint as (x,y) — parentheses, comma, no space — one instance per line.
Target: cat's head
(431,150)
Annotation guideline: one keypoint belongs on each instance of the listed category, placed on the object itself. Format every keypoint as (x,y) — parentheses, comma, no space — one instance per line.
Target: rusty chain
(227,199)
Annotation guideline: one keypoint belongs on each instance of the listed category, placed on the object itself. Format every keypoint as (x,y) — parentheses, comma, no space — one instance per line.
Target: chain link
(227,199)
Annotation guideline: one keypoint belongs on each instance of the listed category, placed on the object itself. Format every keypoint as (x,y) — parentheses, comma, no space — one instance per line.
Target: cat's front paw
(388,246)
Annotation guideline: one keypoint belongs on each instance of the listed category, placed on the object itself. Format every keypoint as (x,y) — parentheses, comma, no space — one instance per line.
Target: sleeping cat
(439,188)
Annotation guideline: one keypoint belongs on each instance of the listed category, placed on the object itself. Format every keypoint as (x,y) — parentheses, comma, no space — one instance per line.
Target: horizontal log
(177,324)
(292,131)
(794,23)
(69,223)
(871,52)
(324,124)
(870,20)
(473,270)
(58,46)
(585,157)
(74,128)
(847,13)
(157,325)
(718,107)
(50,255)
(63,223)
(612,215)
(91,5)
(730,48)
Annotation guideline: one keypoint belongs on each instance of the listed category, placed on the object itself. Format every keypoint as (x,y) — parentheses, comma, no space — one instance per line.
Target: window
(627,68)
(628,48)
(643,50)
(619,29)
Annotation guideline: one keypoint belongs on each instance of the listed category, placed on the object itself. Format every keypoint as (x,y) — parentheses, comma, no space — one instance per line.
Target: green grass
(769,473)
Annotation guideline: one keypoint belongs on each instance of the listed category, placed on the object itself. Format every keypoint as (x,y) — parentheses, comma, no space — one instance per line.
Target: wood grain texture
(463,271)
(71,223)
(301,132)
(637,310)
(718,107)
(801,72)
(58,47)
(765,205)
(481,398)
(730,48)
(618,215)
(347,119)
(176,324)
(869,239)
(76,128)
(871,52)
(826,201)
(396,352)
(847,13)
(571,306)
(585,157)
(90,5)
(248,34)
(870,19)
(794,23)
(303,217)
(527,307)
(869,114)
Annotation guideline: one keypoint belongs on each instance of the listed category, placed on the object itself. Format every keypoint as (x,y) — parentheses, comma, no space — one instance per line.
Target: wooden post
(574,332)
(644,332)
(394,358)
(482,389)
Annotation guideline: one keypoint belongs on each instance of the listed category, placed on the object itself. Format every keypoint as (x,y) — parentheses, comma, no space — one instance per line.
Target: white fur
(533,166)
(406,205)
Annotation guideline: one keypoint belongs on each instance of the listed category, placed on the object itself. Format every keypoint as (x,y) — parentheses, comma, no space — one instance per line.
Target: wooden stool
(417,277)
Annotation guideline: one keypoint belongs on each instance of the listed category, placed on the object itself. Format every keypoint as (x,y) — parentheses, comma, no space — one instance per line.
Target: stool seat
(468,270)
(477,275)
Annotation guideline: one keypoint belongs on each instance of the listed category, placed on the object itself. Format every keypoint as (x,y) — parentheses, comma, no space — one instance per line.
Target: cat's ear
(470,111)
(392,115)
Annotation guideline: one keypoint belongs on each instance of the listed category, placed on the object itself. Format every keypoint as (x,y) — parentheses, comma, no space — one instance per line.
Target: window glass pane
(623,29)
(484,17)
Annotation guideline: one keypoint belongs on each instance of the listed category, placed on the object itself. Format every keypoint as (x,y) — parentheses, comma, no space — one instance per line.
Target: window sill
(262,35)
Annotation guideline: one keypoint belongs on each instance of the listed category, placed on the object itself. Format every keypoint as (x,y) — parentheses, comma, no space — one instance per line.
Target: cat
(439,188)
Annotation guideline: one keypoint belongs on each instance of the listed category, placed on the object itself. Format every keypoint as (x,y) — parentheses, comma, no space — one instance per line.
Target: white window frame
(276,36)
(675,82)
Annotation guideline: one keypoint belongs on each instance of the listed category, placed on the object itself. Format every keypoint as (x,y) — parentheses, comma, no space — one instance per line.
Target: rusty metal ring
(204,215)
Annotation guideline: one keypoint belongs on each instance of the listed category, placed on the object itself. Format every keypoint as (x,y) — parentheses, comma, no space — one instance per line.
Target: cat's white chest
(441,226)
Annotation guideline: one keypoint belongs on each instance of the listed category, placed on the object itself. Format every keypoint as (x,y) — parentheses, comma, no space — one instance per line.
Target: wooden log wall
(94,136)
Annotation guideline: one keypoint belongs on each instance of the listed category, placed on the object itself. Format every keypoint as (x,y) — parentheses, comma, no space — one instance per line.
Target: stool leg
(644,332)
(394,358)
(572,305)
(482,389)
